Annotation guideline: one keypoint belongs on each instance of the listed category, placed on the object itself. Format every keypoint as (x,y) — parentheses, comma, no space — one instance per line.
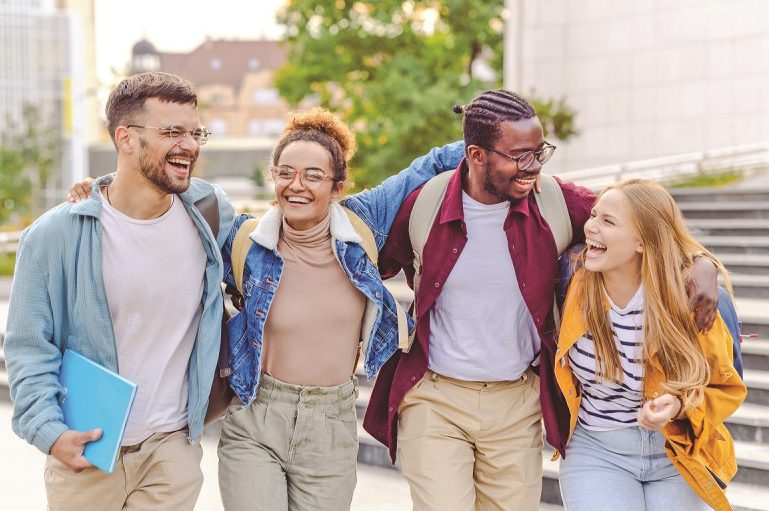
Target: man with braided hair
(462,407)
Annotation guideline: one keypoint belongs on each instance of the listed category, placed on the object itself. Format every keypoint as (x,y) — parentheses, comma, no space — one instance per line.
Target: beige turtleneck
(313,326)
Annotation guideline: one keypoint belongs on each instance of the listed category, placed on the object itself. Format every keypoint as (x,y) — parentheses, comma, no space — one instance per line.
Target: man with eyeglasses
(462,407)
(130,279)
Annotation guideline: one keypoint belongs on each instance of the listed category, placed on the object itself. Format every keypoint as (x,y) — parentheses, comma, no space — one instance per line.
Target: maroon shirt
(534,257)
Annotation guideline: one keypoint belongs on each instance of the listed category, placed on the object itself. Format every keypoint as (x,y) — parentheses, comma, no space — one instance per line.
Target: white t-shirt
(480,327)
(153,275)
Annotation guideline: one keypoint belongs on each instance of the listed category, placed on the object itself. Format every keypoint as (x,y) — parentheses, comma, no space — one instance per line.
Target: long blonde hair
(669,329)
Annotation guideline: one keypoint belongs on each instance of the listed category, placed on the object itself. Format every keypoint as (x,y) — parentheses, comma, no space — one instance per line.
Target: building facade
(234,79)
(647,78)
(41,66)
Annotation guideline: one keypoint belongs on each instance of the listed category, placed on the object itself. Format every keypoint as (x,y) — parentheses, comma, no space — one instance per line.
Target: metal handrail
(745,158)
(9,241)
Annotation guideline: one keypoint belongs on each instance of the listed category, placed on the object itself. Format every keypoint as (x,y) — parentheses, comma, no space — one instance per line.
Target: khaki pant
(472,446)
(163,474)
(294,448)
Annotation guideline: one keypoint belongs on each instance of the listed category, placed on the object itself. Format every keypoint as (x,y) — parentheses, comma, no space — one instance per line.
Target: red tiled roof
(234,58)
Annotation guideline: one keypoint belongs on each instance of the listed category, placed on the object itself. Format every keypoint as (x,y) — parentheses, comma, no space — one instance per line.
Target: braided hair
(484,115)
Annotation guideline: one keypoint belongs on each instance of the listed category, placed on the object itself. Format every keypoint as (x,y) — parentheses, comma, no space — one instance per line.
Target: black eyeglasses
(199,135)
(311,178)
(525,160)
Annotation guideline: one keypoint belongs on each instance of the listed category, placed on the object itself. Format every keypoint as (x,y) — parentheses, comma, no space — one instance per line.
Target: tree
(29,151)
(15,186)
(392,69)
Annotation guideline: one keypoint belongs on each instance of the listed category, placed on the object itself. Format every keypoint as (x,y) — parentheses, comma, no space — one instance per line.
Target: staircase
(735,225)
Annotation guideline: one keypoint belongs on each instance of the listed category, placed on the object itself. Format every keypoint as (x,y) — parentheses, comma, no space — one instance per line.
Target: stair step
(729,227)
(685,195)
(735,244)
(753,461)
(750,286)
(750,423)
(746,264)
(709,209)
(755,354)
(758,387)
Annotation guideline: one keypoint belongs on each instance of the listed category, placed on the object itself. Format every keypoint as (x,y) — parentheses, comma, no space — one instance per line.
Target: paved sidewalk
(22,489)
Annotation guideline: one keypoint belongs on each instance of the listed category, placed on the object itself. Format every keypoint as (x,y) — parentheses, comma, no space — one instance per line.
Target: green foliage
(714,180)
(29,151)
(257,175)
(393,69)
(15,186)
(556,115)
(7,263)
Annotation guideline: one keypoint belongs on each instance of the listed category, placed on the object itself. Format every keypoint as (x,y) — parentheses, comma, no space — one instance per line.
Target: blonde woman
(647,392)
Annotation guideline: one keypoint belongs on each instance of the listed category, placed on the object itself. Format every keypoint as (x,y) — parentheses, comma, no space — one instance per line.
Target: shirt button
(437,285)
(454,250)
(378,294)
(523,284)
(571,393)
(654,395)
(512,247)
(390,409)
(413,378)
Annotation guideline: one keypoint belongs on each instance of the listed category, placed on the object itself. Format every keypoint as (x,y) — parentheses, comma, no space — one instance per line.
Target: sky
(175,26)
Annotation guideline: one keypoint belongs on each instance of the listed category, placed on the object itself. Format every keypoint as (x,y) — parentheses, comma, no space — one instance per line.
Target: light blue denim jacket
(264,267)
(58,301)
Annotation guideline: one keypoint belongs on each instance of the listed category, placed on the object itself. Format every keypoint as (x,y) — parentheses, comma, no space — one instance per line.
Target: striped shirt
(606,405)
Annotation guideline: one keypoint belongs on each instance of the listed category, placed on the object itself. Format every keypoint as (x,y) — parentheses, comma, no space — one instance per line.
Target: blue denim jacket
(58,301)
(264,266)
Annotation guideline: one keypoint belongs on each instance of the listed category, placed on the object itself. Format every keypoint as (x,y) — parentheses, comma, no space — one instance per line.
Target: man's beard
(490,187)
(155,172)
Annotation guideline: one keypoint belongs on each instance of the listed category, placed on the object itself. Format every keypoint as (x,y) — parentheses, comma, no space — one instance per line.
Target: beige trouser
(467,446)
(164,473)
(294,448)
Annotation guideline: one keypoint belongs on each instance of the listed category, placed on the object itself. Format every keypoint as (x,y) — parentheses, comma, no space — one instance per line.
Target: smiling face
(166,163)
(614,246)
(493,177)
(304,208)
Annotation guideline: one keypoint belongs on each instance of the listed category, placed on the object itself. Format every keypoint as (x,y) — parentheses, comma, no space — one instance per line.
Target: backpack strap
(240,247)
(368,242)
(426,208)
(552,205)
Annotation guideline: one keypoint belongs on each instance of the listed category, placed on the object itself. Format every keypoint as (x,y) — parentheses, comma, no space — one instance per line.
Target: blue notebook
(96,398)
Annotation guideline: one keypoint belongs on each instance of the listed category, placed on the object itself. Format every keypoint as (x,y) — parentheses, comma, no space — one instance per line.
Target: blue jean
(624,469)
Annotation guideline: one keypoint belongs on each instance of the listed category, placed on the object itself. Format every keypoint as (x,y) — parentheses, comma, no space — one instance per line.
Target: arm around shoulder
(379,205)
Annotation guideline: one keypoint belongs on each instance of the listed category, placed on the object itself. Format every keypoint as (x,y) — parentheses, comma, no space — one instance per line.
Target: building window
(219,99)
(266,96)
(254,127)
(273,126)
(215,64)
(218,127)
(254,64)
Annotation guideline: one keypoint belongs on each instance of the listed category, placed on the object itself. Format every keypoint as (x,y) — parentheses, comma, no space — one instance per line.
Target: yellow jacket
(700,445)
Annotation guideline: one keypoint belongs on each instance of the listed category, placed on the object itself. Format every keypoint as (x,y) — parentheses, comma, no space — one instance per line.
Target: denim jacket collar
(267,231)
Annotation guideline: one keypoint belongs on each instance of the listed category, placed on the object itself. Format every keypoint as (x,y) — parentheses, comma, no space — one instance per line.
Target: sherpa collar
(267,231)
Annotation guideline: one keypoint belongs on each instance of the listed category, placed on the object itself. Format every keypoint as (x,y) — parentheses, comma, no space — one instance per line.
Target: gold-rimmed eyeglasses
(177,134)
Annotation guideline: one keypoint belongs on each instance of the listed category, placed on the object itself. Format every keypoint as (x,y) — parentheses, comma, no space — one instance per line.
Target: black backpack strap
(209,208)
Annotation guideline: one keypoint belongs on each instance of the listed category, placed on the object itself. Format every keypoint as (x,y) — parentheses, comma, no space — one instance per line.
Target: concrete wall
(648,77)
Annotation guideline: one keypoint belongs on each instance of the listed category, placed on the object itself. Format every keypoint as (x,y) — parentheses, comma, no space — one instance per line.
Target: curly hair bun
(320,119)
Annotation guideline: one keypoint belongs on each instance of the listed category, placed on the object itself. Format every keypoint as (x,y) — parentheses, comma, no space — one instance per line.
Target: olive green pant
(294,448)
(164,473)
